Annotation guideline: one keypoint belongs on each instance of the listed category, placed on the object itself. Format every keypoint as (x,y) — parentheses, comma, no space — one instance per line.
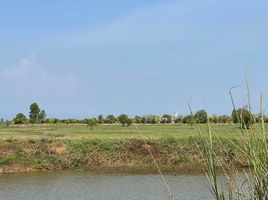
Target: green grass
(63,131)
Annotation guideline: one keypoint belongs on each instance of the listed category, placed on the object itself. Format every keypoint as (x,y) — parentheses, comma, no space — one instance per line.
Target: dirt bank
(111,156)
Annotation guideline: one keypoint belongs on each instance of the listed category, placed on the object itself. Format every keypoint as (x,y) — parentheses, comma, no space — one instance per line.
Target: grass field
(110,147)
(63,131)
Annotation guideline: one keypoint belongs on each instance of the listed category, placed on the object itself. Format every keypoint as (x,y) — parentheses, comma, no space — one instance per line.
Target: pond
(87,186)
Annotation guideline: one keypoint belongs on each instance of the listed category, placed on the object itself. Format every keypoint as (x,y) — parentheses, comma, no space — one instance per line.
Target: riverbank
(174,155)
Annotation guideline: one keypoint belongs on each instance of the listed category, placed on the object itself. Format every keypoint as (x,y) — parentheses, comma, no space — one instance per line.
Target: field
(110,147)
(72,132)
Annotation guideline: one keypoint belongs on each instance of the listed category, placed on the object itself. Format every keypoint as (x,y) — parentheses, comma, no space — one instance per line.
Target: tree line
(241,115)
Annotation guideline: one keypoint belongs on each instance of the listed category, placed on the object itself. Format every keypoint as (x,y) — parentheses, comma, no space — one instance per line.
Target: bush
(20,119)
(242,116)
(201,117)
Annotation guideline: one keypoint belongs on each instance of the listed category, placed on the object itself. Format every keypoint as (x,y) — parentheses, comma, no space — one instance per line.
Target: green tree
(129,122)
(20,119)
(225,119)
(34,112)
(110,119)
(143,120)
(92,122)
(41,116)
(100,119)
(259,118)
(150,119)
(178,119)
(242,116)
(123,119)
(137,119)
(188,119)
(214,119)
(55,121)
(201,117)
(166,118)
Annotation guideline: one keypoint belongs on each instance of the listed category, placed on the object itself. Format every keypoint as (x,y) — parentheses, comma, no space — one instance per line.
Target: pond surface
(88,186)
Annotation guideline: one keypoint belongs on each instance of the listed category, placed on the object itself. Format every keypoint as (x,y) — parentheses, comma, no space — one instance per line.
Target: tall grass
(250,184)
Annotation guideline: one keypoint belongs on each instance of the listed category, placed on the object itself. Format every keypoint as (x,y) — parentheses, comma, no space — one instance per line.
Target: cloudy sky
(83,58)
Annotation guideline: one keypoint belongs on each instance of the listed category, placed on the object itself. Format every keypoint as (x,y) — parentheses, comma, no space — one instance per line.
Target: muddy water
(88,186)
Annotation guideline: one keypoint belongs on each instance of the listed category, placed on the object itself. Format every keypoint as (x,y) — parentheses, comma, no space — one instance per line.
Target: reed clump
(253,145)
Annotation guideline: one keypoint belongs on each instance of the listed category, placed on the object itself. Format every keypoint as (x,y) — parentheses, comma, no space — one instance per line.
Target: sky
(83,58)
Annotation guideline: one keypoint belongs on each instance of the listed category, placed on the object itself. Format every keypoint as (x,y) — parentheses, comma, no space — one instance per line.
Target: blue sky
(83,58)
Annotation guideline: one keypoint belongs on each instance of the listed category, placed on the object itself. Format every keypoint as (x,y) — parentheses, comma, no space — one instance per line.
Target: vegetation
(253,145)
(172,140)
(166,119)
(116,155)
(110,131)
(36,114)
(110,119)
(201,117)
(254,184)
(123,119)
(20,119)
(242,116)
(92,122)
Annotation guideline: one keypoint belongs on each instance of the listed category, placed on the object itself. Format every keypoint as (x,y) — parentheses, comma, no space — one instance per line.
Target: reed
(251,183)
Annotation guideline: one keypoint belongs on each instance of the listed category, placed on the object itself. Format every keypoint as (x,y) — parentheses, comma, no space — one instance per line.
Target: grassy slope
(119,149)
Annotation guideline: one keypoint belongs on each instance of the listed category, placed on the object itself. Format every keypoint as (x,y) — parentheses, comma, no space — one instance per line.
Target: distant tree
(7,122)
(178,119)
(92,122)
(158,119)
(188,119)
(225,119)
(151,119)
(55,121)
(51,121)
(129,122)
(42,116)
(20,119)
(137,120)
(166,118)
(214,119)
(201,117)
(100,119)
(259,118)
(123,119)
(110,119)
(242,116)
(143,120)
(34,112)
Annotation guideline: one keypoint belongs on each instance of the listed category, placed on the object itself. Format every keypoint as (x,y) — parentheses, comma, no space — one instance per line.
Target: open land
(113,148)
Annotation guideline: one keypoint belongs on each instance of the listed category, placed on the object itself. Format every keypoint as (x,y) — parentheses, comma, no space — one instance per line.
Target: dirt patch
(4,153)
(140,148)
(60,150)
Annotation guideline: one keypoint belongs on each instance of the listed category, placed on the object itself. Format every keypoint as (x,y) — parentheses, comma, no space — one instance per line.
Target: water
(88,186)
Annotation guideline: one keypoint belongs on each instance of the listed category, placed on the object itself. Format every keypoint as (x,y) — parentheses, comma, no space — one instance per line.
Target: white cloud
(30,78)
